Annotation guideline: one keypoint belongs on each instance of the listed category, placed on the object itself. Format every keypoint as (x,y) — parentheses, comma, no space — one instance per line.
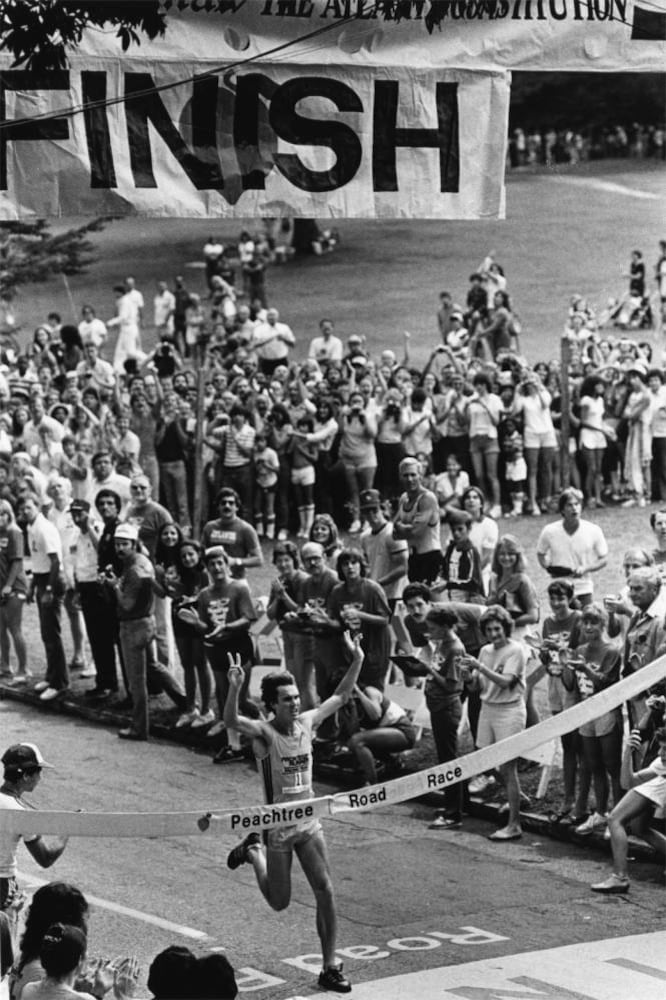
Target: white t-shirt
(587,544)
(592,410)
(10,841)
(44,540)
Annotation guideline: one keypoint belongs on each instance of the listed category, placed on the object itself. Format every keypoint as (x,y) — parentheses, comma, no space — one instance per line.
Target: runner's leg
(313,857)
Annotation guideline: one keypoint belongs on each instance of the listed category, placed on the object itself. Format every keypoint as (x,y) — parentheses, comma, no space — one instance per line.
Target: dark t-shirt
(376,639)
(149,520)
(238,538)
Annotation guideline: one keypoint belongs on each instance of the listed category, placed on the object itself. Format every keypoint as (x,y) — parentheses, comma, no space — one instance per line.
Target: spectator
(284,602)
(443,690)
(223,614)
(499,672)
(48,589)
(374,727)
(594,666)
(417,521)
(13,592)
(360,605)
(134,595)
(573,548)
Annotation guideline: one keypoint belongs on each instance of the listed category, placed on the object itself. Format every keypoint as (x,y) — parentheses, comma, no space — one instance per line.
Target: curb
(475,806)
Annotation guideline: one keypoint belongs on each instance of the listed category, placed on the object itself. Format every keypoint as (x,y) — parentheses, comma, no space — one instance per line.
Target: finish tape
(262,817)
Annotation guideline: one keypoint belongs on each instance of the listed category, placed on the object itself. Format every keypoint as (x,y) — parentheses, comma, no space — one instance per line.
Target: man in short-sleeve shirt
(48,589)
(573,548)
(237,537)
(23,764)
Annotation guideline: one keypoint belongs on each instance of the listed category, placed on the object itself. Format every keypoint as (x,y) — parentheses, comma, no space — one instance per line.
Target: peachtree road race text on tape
(265,817)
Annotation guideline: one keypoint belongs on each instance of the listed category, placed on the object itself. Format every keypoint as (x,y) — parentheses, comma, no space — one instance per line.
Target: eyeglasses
(227,503)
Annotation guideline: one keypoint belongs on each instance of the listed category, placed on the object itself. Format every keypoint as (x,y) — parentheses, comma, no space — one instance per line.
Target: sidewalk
(163,716)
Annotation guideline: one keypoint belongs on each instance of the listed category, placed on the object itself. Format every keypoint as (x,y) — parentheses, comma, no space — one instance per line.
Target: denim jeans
(173,476)
(136,638)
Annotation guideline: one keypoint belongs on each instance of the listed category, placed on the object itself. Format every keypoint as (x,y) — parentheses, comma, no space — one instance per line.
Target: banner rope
(267,817)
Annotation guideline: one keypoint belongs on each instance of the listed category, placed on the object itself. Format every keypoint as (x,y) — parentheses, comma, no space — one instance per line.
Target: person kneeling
(647,793)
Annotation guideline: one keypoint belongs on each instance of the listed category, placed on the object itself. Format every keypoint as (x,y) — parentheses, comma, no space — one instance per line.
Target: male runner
(283,748)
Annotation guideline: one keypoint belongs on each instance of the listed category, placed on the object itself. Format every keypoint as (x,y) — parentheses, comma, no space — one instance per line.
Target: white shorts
(654,789)
(535,439)
(285,838)
(497,722)
(304,476)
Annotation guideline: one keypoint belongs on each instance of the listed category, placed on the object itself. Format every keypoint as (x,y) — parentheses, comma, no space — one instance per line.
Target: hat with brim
(24,755)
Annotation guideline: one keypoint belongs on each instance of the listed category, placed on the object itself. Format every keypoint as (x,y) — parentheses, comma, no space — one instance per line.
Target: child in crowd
(266,468)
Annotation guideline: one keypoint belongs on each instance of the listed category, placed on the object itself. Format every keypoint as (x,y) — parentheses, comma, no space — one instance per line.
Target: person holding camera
(357,453)
(646,634)
(594,666)
(499,674)
(133,590)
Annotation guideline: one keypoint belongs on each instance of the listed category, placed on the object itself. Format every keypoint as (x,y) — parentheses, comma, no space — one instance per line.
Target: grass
(563,233)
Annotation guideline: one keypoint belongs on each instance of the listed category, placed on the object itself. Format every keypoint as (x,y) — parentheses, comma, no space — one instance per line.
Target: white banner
(555,35)
(269,140)
(262,817)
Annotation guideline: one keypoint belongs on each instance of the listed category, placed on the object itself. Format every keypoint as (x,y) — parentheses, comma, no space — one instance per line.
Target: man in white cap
(23,765)
(134,595)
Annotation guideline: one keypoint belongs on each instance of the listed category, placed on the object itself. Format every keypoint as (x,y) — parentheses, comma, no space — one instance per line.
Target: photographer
(594,666)
(390,446)
(357,453)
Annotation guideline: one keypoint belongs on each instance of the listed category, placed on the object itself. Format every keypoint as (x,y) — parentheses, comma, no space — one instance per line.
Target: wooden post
(565,458)
(200,486)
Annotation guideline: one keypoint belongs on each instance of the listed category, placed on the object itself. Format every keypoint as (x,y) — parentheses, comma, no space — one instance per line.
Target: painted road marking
(609,187)
(126,911)
(613,969)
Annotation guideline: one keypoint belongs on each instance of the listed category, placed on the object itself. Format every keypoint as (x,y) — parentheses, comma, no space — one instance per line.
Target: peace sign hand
(236,674)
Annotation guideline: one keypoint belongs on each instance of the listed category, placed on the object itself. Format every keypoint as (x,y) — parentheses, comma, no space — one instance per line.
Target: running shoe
(49,693)
(334,979)
(445,823)
(40,686)
(186,719)
(612,886)
(238,856)
(227,755)
(204,719)
(479,784)
(595,821)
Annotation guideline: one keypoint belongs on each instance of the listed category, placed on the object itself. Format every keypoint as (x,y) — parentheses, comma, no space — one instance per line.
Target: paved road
(412,901)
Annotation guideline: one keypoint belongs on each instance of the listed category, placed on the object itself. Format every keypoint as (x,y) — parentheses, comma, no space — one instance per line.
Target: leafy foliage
(29,252)
(37,33)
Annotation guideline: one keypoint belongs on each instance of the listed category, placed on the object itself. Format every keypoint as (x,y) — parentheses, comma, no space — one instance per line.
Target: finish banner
(266,817)
(271,140)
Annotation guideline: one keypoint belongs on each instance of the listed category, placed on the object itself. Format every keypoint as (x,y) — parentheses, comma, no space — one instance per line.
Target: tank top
(286,767)
(428,540)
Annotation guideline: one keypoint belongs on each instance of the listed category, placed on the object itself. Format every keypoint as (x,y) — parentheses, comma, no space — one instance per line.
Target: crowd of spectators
(51,959)
(419,464)
(530,147)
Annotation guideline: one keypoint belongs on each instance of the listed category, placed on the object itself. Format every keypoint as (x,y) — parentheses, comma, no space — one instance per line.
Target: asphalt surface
(409,899)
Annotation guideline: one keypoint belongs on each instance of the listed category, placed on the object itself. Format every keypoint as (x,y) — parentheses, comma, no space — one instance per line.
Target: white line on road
(127,911)
(610,187)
